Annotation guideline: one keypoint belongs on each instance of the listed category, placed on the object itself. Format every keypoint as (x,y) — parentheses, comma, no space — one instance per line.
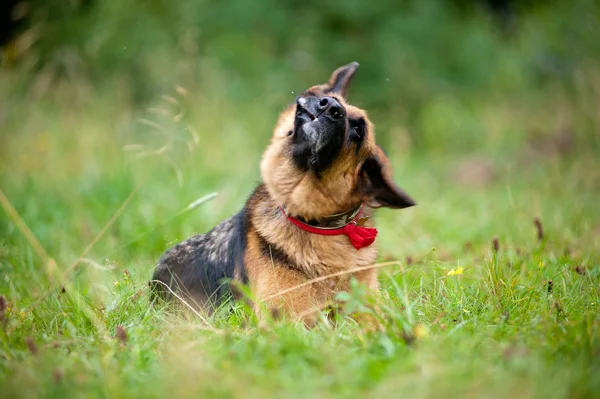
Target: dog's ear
(376,187)
(340,79)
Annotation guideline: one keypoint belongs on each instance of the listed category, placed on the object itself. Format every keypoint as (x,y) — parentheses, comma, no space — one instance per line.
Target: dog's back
(201,267)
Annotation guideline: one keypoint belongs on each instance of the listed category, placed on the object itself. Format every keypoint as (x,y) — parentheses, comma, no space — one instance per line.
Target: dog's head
(323,158)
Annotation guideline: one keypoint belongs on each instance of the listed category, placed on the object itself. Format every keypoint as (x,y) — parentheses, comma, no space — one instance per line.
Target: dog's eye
(357,132)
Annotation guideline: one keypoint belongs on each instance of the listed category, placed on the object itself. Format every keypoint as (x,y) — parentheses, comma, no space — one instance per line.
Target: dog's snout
(313,107)
(331,107)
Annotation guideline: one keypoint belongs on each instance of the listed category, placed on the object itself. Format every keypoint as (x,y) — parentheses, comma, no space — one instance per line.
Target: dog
(323,175)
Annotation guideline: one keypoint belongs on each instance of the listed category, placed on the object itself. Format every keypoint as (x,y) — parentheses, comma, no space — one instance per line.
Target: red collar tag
(359,236)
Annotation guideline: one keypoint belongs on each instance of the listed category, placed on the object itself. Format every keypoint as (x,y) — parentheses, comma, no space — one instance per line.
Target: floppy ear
(376,186)
(340,79)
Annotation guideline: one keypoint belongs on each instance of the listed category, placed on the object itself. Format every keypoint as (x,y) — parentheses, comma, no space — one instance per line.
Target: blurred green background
(432,71)
(179,98)
(115,115)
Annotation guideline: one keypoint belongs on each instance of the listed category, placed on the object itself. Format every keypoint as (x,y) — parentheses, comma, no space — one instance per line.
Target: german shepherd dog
(322,176)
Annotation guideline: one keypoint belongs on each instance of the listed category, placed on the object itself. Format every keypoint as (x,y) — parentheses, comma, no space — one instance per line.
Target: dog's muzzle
(312,108)
(320,128)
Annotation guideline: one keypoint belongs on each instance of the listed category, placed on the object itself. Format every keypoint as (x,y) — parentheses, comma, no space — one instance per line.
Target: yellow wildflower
(116,283)
(22,314)
(419,331)
(455,272)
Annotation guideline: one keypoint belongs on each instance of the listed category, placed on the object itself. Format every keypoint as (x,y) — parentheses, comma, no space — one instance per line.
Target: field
(490,287)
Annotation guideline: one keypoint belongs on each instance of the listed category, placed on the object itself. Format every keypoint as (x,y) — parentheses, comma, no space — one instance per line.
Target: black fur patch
(271,251)
(300,152)
(355,135)
(329,152)
(276,254)
(202,266)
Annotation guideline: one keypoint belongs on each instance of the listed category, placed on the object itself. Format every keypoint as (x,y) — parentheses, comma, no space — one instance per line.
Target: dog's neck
(349,223)
(335,221)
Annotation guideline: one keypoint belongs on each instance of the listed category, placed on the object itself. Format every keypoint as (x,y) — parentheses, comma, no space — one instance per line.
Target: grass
(479,304)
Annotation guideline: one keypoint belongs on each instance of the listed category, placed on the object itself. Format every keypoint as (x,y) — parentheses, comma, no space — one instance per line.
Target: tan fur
(305,194)
(268,277)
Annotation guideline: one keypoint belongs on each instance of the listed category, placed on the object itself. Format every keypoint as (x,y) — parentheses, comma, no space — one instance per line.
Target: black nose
(329,106)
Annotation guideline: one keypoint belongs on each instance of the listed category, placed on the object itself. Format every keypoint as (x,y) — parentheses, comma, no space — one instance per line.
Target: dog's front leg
(284,293)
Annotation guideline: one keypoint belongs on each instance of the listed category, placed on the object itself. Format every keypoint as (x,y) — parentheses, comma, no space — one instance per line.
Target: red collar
(359,236)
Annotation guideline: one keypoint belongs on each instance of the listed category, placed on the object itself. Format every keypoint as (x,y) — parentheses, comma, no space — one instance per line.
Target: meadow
(490,287)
